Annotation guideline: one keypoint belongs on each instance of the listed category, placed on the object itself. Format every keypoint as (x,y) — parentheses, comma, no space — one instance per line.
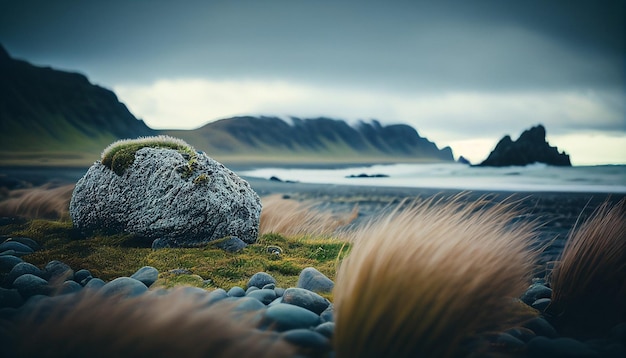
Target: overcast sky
(463,73)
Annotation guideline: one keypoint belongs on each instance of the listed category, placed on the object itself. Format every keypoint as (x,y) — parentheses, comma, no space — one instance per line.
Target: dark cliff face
(530,147)
(317,135)
(41,107)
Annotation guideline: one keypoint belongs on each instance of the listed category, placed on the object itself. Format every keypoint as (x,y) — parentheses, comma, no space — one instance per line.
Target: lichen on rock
(167,195)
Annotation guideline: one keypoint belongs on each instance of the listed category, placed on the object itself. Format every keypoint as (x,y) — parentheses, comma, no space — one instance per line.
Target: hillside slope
(272,138)
(51,115)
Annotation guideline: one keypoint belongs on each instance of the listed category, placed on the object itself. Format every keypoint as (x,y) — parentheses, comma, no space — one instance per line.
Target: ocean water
(531,178)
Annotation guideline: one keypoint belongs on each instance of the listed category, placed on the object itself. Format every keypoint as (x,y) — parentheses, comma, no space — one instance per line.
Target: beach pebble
(284,317)
(216,295)
(95,283)
(541,327)
(26,241)
(559,347)
(232,244)
(70,286)
(124,286)
(147,274)
(10,298)
(19,248)
(266,296)
(535,292)
(279,291)
(327,329)
(508,341)
(308,339)
(29,285)
(82,275)
(305,299)
(541,304)
(521,333)
(313,280)
(57,271)
(269,286)
(23,268)
(248,304)
(329,314)
(261,279)
(7,262)
(236,292)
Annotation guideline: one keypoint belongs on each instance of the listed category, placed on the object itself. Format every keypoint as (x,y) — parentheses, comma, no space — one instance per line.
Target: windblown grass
(589,281)
(45,202)
(294,218)
(422,281)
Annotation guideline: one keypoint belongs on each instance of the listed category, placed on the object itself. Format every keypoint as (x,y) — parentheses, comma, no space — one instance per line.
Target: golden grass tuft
(294,218)
(151,325)
(44,202)
(421,281)
(589,281)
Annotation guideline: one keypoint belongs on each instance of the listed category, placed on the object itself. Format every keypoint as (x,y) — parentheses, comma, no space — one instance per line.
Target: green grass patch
(111,256)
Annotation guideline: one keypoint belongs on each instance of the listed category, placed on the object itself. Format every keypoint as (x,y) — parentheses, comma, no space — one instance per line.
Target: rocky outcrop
(168,198)
(531,147)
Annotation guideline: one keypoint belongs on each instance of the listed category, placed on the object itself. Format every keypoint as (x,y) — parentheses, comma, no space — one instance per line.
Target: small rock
(305,299)
(266,296)
(313,280)
(7,262)
(508,341)
(28,242)
(29,285)
(147,274)
(81,275)
(232,244)
(329,314)
(216,295)
(16,246)
(269,286)
(284,317)
(541,304)
(251,288)
(70,286)
(57,271)
(10,298)
(541,327)
(236,292)
(124,286)
(23,268)
(521,333)
(308,339)
(327,329)
(95,284)
(279,291)
(535,292)
(261,279)
(248,304)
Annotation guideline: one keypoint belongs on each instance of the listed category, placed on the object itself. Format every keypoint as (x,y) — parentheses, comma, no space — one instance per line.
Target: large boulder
(168,194)
(531,147)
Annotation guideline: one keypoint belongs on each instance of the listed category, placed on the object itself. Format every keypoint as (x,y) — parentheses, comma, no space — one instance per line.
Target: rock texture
(161,198)
(531,147)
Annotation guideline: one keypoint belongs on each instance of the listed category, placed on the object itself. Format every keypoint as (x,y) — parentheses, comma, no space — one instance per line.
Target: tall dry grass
(291,218)
(422,281)
(589,281)
(43,202)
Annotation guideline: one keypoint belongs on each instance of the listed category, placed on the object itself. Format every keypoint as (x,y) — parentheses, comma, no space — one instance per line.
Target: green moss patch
(111,256)
(121,154)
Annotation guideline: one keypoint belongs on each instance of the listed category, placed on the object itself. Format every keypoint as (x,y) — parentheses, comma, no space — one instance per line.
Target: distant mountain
(323,138)
(531,147)
(48,113)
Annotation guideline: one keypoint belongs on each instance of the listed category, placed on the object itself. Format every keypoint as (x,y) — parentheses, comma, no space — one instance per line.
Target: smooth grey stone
(236,292)
(559,348)
(216,295)
(326,329)
(305,299)
(269,286)
(10,298)
(276,301)
(95,284)
(7,262)
(147,274)
(521,333)
(261,279)
(541,327)
(279,291)
(10,252)
(15,246)
(266,296)
(70,286)
(541,304)
(28,242)
(284,317)
(81,275)
(57,271)
(124,286)
(307,338)
(248,304)
(313,280)
(23,268)
(535,292)
(29,285)
(251,288)
(328,315)
(232,244)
